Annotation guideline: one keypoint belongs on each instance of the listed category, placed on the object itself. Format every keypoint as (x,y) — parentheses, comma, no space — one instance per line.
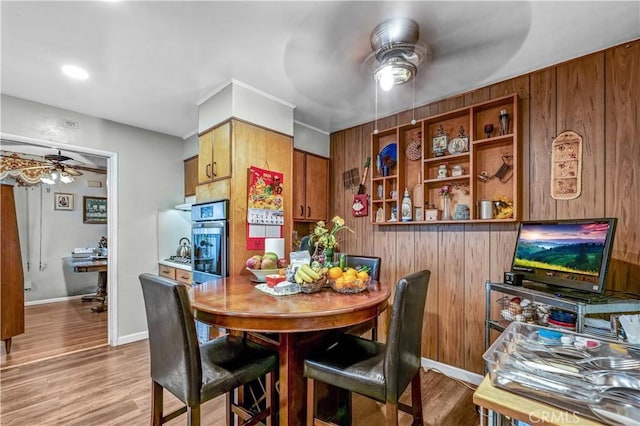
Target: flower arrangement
(444,191)
(323,237)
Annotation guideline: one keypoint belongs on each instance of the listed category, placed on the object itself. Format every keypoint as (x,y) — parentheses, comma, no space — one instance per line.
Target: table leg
(101,293)
(292,351)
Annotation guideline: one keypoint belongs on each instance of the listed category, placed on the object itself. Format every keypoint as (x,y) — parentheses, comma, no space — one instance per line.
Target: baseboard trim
(55,299)
(130,338)
(451,371)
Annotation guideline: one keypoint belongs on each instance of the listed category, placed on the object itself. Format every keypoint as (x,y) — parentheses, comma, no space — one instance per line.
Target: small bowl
(261,274)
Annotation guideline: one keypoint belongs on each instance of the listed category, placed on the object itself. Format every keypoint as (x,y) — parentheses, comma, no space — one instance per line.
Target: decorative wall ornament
(566,166)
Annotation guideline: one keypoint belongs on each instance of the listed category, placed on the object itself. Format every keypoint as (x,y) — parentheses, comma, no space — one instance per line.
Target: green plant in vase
(325,240)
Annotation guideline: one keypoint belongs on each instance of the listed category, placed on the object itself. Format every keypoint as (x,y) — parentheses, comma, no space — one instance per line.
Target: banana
(298,279)
(309,271)
(303,275)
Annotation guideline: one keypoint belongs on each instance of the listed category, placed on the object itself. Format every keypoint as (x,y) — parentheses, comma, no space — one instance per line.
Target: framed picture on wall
(94,210)
(62,201)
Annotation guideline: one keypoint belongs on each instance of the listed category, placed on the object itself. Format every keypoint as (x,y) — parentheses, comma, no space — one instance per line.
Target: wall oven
(210,240)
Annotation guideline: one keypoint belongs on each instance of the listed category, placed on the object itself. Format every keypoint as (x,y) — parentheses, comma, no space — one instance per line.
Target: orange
(363,275)
(335,273)
(340,282)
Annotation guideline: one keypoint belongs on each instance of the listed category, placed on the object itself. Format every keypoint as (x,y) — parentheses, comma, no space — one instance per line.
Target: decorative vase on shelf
(446,213)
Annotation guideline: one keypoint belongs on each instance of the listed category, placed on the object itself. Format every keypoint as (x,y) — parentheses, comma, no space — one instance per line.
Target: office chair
(194,373)
(377,370)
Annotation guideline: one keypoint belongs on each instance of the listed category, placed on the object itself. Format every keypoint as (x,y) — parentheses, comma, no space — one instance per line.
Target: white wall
(150,177)
(245,103)
(48,235)
(309,139)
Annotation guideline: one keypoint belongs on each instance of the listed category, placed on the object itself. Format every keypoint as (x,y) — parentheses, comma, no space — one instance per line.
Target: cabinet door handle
(215,169)
(207,172)
(308,211)
(301,210)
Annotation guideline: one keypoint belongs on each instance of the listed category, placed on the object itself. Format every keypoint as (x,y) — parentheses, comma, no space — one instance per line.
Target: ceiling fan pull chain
(375,125)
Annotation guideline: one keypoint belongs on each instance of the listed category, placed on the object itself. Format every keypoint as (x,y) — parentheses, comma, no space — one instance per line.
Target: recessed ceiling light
(75,72)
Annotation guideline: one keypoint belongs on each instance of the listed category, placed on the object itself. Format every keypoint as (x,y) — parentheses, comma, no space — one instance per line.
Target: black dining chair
(196,373)
(378,370)
(374,264)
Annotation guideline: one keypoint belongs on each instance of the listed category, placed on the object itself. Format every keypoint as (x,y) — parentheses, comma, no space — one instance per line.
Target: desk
(98,265)
(519,407)
(301,319)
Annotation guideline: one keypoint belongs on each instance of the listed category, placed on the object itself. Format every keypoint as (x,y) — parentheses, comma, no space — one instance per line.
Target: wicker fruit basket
(313,286)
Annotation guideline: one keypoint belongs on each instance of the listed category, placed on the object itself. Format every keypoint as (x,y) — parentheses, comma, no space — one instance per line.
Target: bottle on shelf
(406,206)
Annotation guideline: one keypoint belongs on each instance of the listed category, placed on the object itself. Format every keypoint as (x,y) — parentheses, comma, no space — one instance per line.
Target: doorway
(32,146)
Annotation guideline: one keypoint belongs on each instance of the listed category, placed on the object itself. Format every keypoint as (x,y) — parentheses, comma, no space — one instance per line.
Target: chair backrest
(304,244)
(371,262)
(173,343)
(404,339)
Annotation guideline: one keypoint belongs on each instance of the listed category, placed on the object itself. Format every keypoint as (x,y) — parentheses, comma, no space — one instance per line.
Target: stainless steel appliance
(210,240)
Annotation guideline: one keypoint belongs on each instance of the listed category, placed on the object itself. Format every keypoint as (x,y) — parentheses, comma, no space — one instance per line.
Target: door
(299,202)
(205,157)
(209,250)
(316,187)
(221,167)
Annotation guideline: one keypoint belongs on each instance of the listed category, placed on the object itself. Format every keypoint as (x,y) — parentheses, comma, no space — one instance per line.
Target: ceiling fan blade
(89,169)
(71,171)
(34,168)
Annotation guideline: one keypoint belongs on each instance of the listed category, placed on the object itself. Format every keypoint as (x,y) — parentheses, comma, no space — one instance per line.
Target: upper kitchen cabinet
(311,186)
(214,154)
(190,176)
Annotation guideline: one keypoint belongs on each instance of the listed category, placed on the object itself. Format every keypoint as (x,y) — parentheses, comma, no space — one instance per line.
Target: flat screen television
(565,254)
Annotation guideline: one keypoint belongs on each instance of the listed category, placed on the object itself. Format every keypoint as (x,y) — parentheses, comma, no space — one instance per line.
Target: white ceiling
(152,62)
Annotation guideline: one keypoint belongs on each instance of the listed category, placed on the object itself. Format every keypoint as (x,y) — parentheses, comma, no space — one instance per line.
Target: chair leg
(392,414)
(156,403)
(272,403)
(193,415)
(416,398)
(228,399)
(311,401)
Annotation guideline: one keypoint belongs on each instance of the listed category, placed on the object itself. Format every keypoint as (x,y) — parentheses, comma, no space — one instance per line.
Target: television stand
(577,295)
(600,305)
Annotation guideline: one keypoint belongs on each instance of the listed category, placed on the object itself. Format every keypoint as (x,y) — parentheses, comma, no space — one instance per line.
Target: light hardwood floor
(53,329)
(111,386)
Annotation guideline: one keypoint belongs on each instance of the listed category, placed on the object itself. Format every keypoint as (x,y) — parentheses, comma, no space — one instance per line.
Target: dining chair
(374,264)
(196,373)
(378,370)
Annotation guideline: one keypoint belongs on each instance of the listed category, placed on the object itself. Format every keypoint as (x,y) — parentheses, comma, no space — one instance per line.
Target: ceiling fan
(51,167)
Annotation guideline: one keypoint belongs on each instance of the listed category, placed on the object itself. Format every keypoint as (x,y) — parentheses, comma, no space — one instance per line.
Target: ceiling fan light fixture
(66,178)
(394,71)
(48,178)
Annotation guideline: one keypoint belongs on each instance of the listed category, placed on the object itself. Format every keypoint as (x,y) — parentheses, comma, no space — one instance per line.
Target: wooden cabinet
(177,274)
(11,275)
(190,176)
(310,187)
(214,154)
(472,164)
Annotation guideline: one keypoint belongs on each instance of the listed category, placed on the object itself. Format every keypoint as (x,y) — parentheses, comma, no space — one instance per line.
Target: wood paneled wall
(597,96)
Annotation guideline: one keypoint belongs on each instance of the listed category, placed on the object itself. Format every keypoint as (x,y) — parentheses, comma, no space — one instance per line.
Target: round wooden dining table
(302,322)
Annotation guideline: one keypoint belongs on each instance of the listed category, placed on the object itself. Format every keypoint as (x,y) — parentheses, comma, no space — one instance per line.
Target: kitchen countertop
(183,266)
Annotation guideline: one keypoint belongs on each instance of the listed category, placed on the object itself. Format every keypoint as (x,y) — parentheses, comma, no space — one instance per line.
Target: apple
(269,263)
(254,262)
